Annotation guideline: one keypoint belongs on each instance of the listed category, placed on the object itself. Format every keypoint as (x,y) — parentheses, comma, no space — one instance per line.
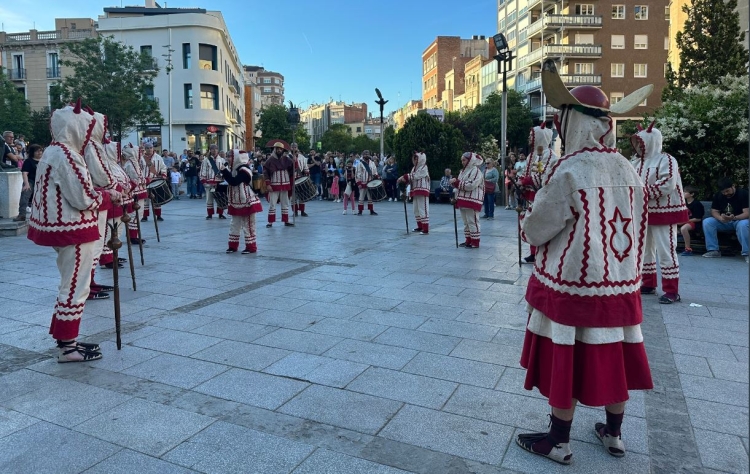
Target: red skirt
(594,374)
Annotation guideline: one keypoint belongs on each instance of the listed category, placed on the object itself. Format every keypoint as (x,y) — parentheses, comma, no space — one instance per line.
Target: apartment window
(584,39)
(666,14)
(266,80)
(617,70)
(188,96)
(148,92)
(185,55)
(267,89)
(666,43)
(359,129)
(147,50)
(584,68)
(615,97)
(207,58)
(618,12)
(641,12)
(640,42)
(640,70)
(618,41)
(53,65)
(585,9)
(666,69)
(209,97)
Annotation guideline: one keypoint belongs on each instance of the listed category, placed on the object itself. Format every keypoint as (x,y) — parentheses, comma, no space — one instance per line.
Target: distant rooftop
(147,11)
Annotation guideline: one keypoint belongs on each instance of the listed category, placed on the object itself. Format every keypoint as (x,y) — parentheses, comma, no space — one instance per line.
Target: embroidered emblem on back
(620,241)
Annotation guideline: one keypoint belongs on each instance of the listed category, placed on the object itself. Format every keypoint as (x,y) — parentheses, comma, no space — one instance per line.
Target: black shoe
(463,244)
(269,225)
(222,216)
(416,230)
(288,224)
(111,266)
(647,290)
(98,296)
(359,213)
(144,219)
(373,213)
(247,251)
(100,288)
(231,250)
(530,259)
(122,260)
(304,214)
(160,219)
(209,217)
(137,241)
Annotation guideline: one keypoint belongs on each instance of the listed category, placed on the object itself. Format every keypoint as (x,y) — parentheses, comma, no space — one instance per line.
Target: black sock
(614,422)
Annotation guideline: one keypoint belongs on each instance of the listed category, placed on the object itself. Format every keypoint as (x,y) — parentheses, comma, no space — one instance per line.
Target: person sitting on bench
(445,185)
(729,212)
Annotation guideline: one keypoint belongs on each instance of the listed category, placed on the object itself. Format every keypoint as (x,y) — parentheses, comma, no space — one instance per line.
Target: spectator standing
(491,176)
(168,160)
(176,179)
(729,212)
(29,176)
(695,216)
(314,164)
(10,157)
(510,194)
(390,171)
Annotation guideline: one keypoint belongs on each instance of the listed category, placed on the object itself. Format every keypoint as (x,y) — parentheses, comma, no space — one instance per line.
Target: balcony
(532,85)
(531,58)
(54,73)
(575,21)
(572,80)
(234,86)
(548,110)
(573,50)
(16,74)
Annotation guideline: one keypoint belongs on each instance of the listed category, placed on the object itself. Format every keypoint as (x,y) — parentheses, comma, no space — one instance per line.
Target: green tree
(705,129)
(274,123)
(15,114)
(303,139)
(441,142)
(337,138)
(390,135)
(711,43)
(113,79)
(40,133)
(363,142)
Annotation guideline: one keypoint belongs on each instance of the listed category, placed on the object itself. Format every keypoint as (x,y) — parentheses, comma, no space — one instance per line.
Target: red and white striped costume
(666,209)
(277,170)
(583,339)
(112,160)
(419,179)
(470,198)
(300,169)
(365,172)
(210,180)
(160,172)
(243,203)
(64,214)
(131,163)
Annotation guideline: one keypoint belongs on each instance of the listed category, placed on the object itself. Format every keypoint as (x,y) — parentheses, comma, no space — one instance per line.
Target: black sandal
(98,296)
(72,347)
(87,346)
(96,288)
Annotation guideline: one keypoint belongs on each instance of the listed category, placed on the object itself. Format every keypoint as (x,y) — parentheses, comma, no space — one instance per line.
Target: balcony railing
(530,58)
(51,35)
(18,37)
(547,110)
(532,85)
(581,79)
(53,73)
(573,50)
(575,21)
(16,74)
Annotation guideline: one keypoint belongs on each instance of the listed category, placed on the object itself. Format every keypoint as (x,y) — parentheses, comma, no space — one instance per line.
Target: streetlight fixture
(505,58)
(381,102)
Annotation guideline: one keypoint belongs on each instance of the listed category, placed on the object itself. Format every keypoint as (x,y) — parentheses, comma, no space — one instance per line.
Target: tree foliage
(40,133)
(274,123)
(15,112)
(389,136)
(706,129)
(113,79)
(441,142)
(710,45)
(338,138)
(363,142)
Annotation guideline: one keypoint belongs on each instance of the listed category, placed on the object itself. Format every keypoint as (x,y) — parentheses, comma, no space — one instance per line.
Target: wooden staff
(125,219)
(156,224)
(402,187)
(137,206)
(114,244)
(455,220)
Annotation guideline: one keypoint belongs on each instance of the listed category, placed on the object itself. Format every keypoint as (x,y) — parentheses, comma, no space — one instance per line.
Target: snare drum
(377,190)
(304,189)
(159,192)
(221,195)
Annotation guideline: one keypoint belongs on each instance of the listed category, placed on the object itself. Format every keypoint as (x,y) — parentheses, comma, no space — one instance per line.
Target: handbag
(489,186)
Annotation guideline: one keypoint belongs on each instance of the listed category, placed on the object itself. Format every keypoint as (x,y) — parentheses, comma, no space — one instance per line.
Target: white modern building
(201,98)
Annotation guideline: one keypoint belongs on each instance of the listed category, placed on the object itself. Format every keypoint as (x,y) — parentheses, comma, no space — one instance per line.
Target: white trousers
(661,242)
(74,263)
(471,225)
(244,224)
(274,196)
(421,206)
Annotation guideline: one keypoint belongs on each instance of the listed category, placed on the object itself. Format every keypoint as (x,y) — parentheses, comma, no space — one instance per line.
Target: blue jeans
(489,204)
(711,227)
(201,189)
(316,181)
(192,185)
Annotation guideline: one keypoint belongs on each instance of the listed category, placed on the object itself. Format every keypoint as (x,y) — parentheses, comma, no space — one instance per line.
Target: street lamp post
(381,102)
(505,58)
(168,58)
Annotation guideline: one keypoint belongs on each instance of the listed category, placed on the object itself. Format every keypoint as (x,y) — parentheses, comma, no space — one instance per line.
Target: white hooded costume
(470,197)
(243,203)
(419,179)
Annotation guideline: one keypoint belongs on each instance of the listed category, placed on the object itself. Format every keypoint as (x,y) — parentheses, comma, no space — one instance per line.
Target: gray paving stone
(224,447)
(728,370)
(32,338)
(418,340)
(408,388)
(323,461)
(297,365)
(234,330)
(373,302)
(459,329)
(370,353)
(226,310)
(176,370)
(285,319)
(427,310)
(336,373)
(301,341)
(587,458)
(488,352)
(144,426)
(721,391)
(700,348)
(242,355)
(718,417)
(512,381)
(509,337)
(741,353)
(390,318)
(429,288)
(330,310)
(182,321)
(447,433)
(28,450)
(10,325)
(454,369)
(128,462)
(348,329)
(355,411)
(458,302)
(12,421)
(277,303)
(721,451)
(176,342)
(515,318)
(252,388)
(693,365)
(717,336)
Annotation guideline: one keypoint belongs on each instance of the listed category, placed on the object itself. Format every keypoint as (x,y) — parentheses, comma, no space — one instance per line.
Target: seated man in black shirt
(729,212)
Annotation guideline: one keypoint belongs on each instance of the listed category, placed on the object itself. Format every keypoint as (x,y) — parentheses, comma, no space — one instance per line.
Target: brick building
(441,56)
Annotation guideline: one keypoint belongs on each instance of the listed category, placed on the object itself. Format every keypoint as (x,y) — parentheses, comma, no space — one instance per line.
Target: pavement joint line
(496,280)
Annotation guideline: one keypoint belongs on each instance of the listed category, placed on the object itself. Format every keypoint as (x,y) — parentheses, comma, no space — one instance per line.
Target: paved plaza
(345,346)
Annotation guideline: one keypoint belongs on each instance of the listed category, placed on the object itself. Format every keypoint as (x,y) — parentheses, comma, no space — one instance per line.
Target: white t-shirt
(520,165)
(175,177)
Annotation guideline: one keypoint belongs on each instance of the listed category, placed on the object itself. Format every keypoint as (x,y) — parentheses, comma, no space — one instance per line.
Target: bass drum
(304,189)
(159,192)
(377,190)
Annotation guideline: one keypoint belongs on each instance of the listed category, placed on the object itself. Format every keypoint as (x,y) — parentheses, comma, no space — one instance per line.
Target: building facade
(319,117)
(253,106)
(615,45)
(201,99)
(271,86)
(440,57)
(403,114)
(31,60)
